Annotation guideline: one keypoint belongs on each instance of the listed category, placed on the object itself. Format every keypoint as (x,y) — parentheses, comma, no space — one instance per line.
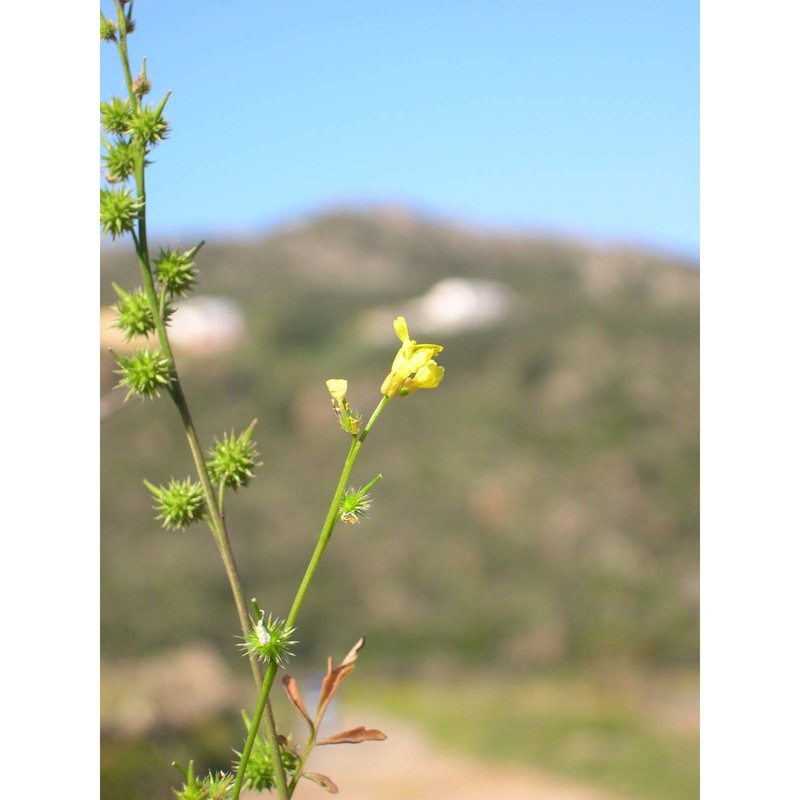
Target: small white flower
(261,632)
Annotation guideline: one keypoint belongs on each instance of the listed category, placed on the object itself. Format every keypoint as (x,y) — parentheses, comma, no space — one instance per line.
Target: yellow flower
(348,419)
(413,367)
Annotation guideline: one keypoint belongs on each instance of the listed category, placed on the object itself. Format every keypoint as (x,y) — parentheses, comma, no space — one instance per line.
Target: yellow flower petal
(428,377)
(337,387)
(392,384)
(401,329)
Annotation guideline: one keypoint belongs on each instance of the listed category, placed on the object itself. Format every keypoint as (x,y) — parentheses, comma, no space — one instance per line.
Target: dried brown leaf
(293,693)
(321,780)
(354,736)
(335,676)
(353,654)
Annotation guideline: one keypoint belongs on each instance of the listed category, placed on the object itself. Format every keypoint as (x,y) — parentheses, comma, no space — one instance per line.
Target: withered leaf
(354,736)
(293,693)
(322,780)
(331,681)
(353,654)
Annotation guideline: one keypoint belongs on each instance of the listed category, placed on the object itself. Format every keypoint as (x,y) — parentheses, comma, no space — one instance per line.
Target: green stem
(303,758)
(333,514)
(217,522)
(122,46)
(324,537)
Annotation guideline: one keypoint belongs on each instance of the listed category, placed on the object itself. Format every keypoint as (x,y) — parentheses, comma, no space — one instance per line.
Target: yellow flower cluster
(413,367)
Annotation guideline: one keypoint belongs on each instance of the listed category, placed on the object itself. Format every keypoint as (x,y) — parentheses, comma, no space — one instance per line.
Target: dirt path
(408,766)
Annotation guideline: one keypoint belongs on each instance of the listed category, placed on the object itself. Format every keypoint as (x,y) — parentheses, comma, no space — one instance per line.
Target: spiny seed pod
(115,117)
(180,503)
(259,774)
(268,640)
(144,372)
(214,786)
(148,126)
(356,503)
(176,271)
(234,459)
(119,211)
(120,161)
(134,317)
(218,786)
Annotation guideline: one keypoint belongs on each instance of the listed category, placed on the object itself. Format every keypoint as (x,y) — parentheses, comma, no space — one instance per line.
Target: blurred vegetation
(540,509)
(637,736)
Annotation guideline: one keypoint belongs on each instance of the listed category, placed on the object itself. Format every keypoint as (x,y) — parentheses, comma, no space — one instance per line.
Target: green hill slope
(540,507)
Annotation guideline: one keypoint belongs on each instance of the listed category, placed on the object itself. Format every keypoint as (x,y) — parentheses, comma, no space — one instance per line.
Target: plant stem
(333,511)
(324,537)
(217,522)
(175,389)
(303,758)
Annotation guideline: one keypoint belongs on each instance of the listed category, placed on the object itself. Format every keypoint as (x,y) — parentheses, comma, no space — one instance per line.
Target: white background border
(750,273)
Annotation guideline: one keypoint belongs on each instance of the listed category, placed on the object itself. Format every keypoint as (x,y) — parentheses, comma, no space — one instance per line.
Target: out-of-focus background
(520,182)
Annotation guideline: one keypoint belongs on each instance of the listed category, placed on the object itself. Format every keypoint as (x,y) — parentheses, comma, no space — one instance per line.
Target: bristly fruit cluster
(132,130)
(259,773)
(180,504)
(175,271)
(268,639)
(214,786)
(134,317)
(119,210)
(145,372)
(356,503)
(232,460)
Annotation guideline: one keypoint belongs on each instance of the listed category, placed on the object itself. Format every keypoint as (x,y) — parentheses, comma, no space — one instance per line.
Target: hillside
(539,508)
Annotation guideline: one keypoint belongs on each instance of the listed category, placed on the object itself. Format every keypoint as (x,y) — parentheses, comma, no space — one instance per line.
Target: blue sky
(574,117)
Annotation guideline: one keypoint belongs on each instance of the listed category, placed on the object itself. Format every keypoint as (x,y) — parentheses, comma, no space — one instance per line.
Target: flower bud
(141,86)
